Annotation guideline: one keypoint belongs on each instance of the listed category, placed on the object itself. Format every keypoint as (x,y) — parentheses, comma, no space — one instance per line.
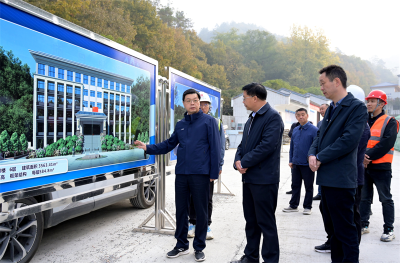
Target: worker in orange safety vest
(378,163)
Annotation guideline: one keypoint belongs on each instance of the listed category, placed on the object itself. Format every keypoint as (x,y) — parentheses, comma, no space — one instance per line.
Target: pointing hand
(140,145)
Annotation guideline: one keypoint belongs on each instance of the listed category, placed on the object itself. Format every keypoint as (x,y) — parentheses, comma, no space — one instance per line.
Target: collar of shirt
(305,126)
(194,116)
(255,112)
(337,103)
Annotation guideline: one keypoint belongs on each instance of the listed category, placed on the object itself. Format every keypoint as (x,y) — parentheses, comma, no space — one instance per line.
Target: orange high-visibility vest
(377,131)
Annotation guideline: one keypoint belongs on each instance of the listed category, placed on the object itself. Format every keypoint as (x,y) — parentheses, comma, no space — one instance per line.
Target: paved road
(107,235)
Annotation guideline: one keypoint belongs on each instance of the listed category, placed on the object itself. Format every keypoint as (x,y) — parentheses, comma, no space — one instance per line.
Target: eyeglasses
(244,98)
(190,101)
(204,105)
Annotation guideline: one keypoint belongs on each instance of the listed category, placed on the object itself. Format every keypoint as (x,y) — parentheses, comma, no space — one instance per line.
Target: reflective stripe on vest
(377,131)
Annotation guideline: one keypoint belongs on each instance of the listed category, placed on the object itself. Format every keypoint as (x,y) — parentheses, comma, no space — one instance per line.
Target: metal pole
(219,184)
(219,181)
(160,213)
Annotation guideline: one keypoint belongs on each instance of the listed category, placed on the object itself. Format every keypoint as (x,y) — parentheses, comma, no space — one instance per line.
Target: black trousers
(192,210)
(196,185)
(259,205)
(357,217)
(302,173)
(338,214)
(382,180)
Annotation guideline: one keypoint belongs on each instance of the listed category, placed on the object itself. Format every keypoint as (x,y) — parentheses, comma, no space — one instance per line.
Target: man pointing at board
(197,165)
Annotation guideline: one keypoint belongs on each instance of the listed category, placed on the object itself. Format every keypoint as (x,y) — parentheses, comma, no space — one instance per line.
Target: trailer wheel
(20,238)
(146,195)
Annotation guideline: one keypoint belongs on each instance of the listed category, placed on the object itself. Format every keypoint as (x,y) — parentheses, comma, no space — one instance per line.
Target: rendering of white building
(73,99)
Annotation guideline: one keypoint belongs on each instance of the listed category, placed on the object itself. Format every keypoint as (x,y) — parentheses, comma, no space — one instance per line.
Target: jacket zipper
(247,137)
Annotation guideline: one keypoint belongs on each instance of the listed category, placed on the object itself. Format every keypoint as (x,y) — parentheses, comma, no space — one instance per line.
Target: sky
(366,29)
(24,39)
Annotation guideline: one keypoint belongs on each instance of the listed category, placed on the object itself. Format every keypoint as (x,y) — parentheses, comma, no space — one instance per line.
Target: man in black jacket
(334,154)
(258,160)
(378,163)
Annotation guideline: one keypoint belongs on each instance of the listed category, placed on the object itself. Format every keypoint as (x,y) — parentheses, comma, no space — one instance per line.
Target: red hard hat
(377,94)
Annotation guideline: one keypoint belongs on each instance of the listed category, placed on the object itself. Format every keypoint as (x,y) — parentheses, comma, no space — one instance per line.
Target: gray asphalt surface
(107,235)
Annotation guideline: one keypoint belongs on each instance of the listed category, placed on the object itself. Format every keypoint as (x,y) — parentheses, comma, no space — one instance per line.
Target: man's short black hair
(256,89)
(190,91)
(335,71)
(301,109)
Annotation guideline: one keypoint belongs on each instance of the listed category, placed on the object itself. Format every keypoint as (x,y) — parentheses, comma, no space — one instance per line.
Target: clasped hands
(240,168)
(366,161)
(313,163)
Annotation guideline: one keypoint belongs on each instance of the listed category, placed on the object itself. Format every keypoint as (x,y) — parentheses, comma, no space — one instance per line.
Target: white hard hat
(204,97)
(357,92)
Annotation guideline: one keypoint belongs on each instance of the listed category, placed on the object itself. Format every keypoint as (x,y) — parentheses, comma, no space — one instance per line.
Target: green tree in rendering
(16,95)
(141,104)
(24,142)
(134,125)
(15,143)
(5,142)
(179,110)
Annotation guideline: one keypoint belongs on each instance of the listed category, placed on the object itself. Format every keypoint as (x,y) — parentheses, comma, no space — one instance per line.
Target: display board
(178,83)
(72,102)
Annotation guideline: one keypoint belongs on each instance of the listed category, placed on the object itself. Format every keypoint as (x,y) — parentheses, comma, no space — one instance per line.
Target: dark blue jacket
(260,150)
(362,147)
(199,145)
(337,143)
(300,143)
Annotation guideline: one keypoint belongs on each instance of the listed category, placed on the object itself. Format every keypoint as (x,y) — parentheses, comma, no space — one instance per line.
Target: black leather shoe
(244,259)
(317,197)
(324,248)
(289,192)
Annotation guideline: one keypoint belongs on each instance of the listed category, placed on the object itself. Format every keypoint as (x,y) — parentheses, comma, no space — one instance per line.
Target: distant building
(72,99)
(393,93)
(285,101)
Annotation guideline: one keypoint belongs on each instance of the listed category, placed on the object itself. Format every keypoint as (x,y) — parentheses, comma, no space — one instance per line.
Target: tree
(166,13)
(141,104)
(207,35)
(279,84)
(305,54)
(382,74)
(24,142)
(314,90)
(358,72)
(16,99)
(15,143)
(5,142)
(181,21)
(260,46)
(67,9)
(134,125)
